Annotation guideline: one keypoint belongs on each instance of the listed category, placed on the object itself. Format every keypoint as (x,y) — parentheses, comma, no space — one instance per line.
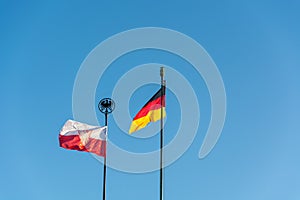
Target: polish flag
(83,137)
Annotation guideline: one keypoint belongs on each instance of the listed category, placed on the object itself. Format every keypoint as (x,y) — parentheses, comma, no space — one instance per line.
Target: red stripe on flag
(96,146)
(152,105)
(93,145)
(72,142)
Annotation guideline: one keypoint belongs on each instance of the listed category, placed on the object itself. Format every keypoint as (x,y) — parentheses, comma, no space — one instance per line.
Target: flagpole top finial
(106,105)
(162,71)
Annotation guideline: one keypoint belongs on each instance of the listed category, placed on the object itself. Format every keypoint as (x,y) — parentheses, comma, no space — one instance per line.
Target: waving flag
(83,137)
(150,112)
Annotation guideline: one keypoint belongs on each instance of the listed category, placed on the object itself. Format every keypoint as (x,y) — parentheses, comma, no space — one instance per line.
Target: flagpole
(104,167)
(106,106)
(161,134)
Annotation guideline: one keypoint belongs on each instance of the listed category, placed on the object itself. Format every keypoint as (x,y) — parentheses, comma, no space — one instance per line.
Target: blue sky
(255,45)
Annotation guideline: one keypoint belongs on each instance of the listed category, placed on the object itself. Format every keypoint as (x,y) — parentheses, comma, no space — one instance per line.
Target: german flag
(150,112)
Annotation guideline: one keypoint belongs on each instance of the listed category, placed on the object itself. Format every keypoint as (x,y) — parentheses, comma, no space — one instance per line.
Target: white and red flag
(83,137)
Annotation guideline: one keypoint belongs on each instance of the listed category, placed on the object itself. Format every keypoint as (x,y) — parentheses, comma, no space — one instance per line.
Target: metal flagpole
(161,132)
(106,106)
(104,167)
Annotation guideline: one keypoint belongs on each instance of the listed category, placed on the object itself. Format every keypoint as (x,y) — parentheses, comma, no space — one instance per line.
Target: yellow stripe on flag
(152,116)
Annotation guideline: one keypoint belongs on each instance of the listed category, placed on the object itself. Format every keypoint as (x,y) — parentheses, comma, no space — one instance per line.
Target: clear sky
(255,45)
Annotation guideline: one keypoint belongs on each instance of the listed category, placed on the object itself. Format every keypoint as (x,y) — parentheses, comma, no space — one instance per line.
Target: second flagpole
(104,166)
(106,106)
(162,85)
